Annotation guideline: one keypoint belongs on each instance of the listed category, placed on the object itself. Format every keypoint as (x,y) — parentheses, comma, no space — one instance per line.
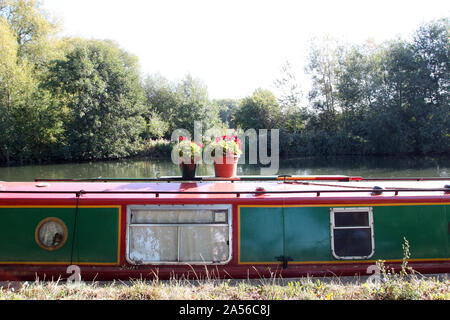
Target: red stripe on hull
(88,273)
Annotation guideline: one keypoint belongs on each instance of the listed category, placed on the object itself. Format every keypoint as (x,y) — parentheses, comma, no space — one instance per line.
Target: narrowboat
(244,227)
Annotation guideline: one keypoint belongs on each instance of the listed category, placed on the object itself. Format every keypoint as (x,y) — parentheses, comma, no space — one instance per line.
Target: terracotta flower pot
(188,170)
(227,168)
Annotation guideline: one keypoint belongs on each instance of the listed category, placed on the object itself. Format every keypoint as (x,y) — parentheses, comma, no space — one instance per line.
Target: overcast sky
(233,46)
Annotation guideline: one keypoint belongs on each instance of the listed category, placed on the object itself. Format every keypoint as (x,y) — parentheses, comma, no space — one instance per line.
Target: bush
(159,148)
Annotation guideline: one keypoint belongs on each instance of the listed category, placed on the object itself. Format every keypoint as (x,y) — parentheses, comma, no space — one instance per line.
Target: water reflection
(369,167)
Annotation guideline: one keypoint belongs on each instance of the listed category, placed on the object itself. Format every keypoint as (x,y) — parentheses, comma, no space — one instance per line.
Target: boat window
(51,234)
(352,235)
(179,234)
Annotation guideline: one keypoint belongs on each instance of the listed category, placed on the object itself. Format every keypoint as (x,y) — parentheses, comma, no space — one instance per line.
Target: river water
(367,167)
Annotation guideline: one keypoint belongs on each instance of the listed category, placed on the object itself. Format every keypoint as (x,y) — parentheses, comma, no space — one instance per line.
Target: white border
(184,207)
(369,210)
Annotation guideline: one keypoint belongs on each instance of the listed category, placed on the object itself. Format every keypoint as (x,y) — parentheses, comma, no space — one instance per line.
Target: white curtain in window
(196,244)
(204,244)
(173,216)
(153,244)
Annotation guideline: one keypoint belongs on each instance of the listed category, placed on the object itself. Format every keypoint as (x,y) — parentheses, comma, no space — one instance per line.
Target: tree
(34,31)
(194,106)
(226,108)
(161,98)
(259,111)
(431,48)
(290,91)
(414,73)
(100,84)
(156,127)
(182,103)
(323,64)
(29,122)
(10,80)
(290,99)
(358,82)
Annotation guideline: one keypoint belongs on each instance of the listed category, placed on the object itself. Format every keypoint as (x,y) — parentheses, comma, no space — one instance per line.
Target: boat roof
(209,188)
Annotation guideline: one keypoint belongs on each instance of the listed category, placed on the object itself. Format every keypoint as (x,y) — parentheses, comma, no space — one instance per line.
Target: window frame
(333,227)
(227,223)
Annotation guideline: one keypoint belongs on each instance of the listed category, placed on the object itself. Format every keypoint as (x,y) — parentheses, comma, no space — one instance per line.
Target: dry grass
(394,287)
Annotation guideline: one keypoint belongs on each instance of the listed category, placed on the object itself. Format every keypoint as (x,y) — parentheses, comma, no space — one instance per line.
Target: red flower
(182,139)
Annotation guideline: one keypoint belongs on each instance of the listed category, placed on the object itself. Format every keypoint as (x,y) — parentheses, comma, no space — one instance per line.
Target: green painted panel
(17,234)
(423,226)
(308,234)
(261,234)
(96,239)
(303,233)
(97,235)
(447,211)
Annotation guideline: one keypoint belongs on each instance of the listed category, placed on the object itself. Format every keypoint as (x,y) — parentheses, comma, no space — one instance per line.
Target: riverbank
(161,149)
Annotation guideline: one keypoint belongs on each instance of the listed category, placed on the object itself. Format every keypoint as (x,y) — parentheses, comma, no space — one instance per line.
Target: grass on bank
(413,288)
(383,285)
